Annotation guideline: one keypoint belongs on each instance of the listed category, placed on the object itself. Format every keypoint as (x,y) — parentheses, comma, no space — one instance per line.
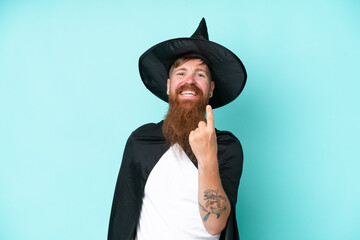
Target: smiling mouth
(188,93)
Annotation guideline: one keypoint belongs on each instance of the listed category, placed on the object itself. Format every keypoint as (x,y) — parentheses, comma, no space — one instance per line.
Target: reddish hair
(183,60)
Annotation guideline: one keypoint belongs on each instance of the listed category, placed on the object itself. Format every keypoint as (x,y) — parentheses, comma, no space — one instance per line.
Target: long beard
(183,117)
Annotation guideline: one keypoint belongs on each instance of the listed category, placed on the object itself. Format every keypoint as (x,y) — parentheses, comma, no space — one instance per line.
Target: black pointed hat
(227,71)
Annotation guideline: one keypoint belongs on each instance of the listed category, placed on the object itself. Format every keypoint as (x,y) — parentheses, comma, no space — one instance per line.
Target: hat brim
(227,70)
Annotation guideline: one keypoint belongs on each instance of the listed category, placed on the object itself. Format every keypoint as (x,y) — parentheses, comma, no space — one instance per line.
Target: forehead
(193,63)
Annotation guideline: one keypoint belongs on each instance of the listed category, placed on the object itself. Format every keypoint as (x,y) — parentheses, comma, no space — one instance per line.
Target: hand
(203,140)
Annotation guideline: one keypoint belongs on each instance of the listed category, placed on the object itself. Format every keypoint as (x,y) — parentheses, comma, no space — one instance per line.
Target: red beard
(183,117)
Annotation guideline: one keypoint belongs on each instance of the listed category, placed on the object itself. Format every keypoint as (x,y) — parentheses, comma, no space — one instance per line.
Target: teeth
(188,93)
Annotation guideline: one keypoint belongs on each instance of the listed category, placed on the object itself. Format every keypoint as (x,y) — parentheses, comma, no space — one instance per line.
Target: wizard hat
(227,71)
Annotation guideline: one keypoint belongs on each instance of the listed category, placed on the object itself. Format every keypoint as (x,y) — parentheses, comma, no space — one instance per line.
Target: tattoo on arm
(214,203)
(206,217)
(203,208)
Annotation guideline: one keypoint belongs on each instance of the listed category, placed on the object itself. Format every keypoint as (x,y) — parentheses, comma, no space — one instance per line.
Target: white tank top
(170,205)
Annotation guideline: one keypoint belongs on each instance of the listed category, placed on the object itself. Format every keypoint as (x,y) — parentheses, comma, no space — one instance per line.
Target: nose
(190,79)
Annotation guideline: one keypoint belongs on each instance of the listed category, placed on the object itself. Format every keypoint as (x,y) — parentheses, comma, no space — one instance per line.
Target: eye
(200,75)
(180,74)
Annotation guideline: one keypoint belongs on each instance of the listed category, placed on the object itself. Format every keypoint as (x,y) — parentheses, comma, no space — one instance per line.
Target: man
(179,178)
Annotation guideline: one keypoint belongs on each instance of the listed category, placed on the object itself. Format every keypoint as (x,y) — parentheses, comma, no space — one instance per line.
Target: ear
(168,86)
(212,86)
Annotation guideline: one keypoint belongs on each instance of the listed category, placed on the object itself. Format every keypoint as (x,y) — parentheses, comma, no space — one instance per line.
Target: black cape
(143,149)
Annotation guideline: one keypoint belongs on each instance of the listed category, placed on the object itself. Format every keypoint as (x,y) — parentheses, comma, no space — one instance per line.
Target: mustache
(188,86)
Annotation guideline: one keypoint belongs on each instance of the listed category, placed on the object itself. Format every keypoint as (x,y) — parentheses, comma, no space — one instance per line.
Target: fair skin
(190,72)
(214,206)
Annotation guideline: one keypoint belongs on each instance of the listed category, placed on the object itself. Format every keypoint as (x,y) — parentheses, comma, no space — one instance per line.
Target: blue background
(70,95)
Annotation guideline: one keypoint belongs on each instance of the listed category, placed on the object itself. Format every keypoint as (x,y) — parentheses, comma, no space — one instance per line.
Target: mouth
(188,93)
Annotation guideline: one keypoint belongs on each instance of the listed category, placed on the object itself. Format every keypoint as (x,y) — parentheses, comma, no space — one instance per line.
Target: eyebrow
(199,70)
(180,69)
(196,70)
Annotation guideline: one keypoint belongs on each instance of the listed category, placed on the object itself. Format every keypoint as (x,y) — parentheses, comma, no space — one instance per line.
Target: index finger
(209,117)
